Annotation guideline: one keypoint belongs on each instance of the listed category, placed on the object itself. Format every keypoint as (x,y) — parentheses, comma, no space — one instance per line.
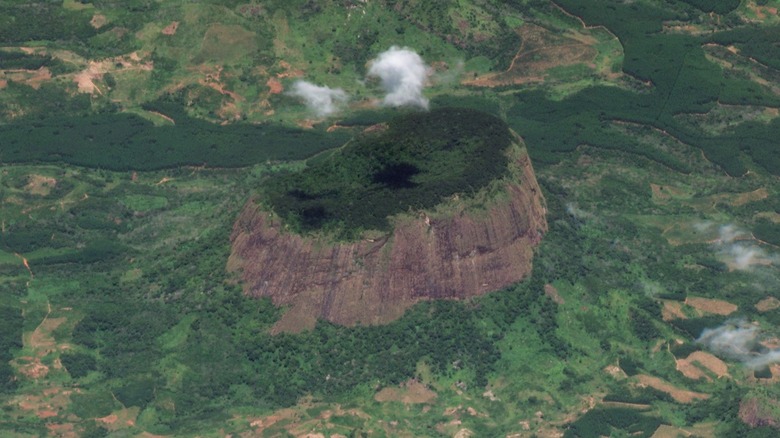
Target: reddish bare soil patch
(171,28)
(95,70)
(46,414)
(615,371)
(40,185)
(690,367)
(708,305)
(213,80)
(679,395)
(296,422)
(767,304)
(410,392)
(306,123)
(98,21)
(552,292)
(672,310)
(289,71)
(373,281)
(32,369)
(44,405)
(64,430)
(539,51)
(274,86)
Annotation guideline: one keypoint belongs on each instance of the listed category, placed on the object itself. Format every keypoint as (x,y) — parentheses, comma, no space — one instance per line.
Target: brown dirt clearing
(296,422)
(52,399)
(64,430)
(770,215)
(120,419)
(767,304)
(679,395)
(274,86)
(98,21)
(672,310)
(709,305)
(699,430)
(690,367)
(411,392)
(539,51)
(171,28)
(95,70)
(40,185)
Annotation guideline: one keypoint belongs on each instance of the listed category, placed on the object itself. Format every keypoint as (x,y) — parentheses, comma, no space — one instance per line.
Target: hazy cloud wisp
(323,101)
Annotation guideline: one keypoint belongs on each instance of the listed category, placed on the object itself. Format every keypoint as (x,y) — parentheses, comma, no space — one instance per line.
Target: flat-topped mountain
(438,205)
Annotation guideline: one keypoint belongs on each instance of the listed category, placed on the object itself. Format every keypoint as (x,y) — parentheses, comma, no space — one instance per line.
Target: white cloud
(738,340)
(735,246)
(323,101)
(402,73)
(739,253)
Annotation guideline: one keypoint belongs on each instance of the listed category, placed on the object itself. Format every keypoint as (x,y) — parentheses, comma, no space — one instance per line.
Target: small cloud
(323,101)
(738,340)
(735,246)
(738,252)
(402,73)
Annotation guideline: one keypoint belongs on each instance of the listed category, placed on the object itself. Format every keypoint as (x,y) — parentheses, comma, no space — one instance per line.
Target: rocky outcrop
(463,248)
(758,412)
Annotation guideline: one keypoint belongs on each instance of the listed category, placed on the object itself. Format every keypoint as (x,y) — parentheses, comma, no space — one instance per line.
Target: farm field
(133,134)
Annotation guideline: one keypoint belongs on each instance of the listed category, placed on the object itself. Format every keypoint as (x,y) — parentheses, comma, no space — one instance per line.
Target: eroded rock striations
(462,248)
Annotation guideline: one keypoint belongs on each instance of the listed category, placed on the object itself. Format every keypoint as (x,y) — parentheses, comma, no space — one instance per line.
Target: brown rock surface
(756,412)
(453,252)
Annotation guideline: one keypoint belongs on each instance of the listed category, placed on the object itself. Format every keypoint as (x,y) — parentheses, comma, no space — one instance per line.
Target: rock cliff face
(463,248)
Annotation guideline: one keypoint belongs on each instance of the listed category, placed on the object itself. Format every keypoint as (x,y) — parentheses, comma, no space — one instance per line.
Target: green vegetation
(680,80)
(18,60)
(128,142)
(420,159)
(125,285)
(600,422)
(10,340)
(36,20)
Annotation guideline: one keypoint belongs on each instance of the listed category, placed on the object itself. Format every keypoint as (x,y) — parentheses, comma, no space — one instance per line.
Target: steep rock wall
(464,252)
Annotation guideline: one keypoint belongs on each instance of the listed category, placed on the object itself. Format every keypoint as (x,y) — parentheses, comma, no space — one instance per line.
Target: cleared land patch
(410,392)
(679,395)
(767,304)
(540,51)
(709,305)
(690,366)
(226,43)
